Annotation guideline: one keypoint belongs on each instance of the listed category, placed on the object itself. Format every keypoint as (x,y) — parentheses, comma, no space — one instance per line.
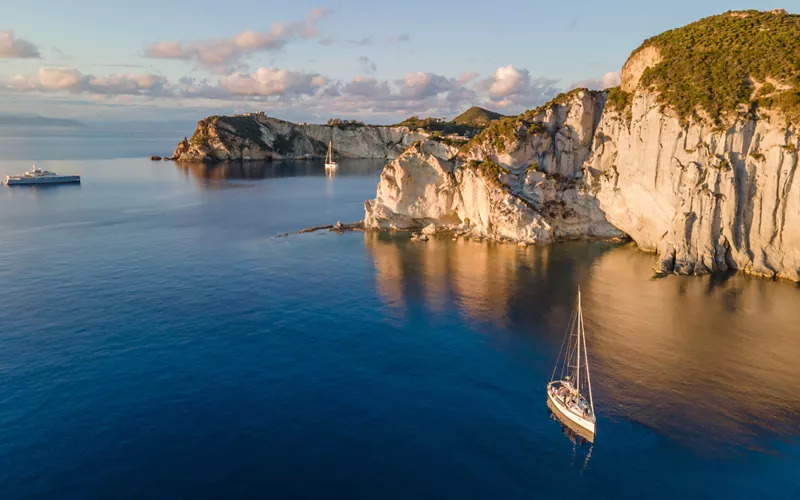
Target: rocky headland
(694,156)
(258,137)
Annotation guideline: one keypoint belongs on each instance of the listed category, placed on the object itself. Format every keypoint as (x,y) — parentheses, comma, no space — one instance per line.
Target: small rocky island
(694,156)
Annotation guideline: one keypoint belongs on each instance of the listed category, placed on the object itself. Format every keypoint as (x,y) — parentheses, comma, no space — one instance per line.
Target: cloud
(367,87)
(465,78)
(73,81)
(16,48)
(610,79)
(515,89)
(367,65)
(293,93)
(273,82)
(225,54)
(402,38)
(416,86)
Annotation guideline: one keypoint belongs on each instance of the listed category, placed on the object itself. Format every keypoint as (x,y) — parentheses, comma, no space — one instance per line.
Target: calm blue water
(158,341)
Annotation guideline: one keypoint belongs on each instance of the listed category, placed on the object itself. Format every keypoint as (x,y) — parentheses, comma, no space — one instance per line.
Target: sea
(161,338)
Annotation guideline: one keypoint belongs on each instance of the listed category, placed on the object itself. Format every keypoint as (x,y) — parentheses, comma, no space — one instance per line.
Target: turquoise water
(157,340)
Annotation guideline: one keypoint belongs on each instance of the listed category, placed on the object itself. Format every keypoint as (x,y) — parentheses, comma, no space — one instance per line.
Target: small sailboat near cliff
(330,164)
(570,382)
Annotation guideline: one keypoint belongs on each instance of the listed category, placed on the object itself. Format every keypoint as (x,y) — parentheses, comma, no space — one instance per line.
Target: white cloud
(73,81)
(514,89)
(465,78)
(224,54)
(301,93)
(60,79)
(610,79)
(16,48)
(21,83)
(508,80)
(367,87)
(273,82)
(420,85)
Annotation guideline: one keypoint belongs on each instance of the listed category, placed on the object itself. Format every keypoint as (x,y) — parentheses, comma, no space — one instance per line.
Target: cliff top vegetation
(716,64)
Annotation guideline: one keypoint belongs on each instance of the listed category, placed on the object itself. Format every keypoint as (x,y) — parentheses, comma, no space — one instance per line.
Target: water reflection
(36,191)
(217,175)
(699,359)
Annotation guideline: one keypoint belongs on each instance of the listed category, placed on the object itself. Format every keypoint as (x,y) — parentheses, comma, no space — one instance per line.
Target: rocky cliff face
(707,192)
(705,199)
(258,137)
(521,180)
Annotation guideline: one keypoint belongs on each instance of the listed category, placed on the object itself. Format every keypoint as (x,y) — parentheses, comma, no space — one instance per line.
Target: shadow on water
(217,175)
(709,361)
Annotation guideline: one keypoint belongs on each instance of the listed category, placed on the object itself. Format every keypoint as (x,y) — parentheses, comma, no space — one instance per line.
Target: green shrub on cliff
(711,64)
(620,101)
(345,124)
(489,170)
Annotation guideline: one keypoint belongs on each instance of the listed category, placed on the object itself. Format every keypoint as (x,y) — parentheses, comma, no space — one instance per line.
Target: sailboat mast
(580,328)
(588,377)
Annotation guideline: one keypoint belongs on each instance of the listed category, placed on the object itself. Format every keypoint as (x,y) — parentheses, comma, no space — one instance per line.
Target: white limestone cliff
(704,199)
(256,137)
(530,190)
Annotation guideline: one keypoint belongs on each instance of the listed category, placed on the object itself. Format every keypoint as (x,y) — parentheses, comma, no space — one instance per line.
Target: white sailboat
(566,391)
(330,164)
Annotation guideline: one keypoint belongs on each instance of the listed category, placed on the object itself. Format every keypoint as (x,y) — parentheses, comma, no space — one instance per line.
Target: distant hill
(468,123)
(477,117)
(37,121)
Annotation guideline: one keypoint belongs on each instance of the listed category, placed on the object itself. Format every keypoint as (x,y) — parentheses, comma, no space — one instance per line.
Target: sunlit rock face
(535,195)
(704,199)
(701,171)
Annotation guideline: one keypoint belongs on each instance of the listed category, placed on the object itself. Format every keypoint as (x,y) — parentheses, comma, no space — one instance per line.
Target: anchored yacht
(330,163)
(568,389)
(38,176)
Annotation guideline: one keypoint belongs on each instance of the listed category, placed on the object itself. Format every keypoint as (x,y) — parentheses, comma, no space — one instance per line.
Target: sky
(373,60)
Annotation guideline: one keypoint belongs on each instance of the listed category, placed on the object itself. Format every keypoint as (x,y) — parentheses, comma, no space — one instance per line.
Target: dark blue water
(158,341)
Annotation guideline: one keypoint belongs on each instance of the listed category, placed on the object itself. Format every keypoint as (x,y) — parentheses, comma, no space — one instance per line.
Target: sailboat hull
(568,417)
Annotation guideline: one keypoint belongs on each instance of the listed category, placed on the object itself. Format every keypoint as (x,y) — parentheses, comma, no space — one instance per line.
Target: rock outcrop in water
(691,162)
(256,136)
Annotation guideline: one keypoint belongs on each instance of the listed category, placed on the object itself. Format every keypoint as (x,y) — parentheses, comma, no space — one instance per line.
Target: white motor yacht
(38,176)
